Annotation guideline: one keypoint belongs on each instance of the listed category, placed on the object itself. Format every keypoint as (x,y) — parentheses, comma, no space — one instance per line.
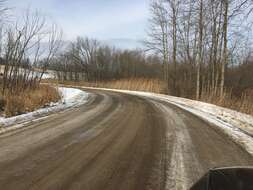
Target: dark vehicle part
(234,178)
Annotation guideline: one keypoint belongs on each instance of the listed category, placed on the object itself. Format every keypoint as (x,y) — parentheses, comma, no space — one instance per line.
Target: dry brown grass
(140,84)
(30,100)
(242,104)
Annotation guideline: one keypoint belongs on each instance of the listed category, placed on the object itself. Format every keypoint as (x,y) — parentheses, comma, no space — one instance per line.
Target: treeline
(89,60)
(201,43)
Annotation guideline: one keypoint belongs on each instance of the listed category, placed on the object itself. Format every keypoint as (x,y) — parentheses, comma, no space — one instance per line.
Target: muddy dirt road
(115,142)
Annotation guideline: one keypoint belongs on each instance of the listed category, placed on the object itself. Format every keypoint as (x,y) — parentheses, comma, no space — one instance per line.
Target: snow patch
(73,97)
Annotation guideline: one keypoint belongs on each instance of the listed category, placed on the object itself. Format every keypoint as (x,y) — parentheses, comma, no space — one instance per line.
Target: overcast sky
(102,19)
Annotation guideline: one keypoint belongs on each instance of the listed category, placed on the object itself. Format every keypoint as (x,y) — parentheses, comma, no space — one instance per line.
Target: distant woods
(89,60)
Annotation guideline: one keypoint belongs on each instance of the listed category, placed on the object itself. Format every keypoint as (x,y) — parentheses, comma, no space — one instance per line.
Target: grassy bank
(243,103)
(28,101)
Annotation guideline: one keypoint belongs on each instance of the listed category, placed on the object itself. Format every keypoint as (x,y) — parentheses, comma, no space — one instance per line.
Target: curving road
(115,142)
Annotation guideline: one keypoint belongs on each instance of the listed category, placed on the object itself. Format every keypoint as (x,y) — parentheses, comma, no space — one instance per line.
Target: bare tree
(54,42)
(158,33)
(173,12)
(23,41)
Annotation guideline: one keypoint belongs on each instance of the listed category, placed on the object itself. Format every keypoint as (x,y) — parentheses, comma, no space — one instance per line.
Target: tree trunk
(175,50)
(199,56)
(225,53)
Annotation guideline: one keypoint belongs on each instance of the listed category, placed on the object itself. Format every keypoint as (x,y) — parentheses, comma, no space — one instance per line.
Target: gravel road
(115,142)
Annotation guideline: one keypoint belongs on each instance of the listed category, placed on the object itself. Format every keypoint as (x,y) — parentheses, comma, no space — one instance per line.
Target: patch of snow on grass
(70,98)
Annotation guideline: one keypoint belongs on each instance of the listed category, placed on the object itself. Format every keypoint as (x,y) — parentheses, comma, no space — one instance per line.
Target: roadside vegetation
(29,100)
(24,60)
(135,84)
